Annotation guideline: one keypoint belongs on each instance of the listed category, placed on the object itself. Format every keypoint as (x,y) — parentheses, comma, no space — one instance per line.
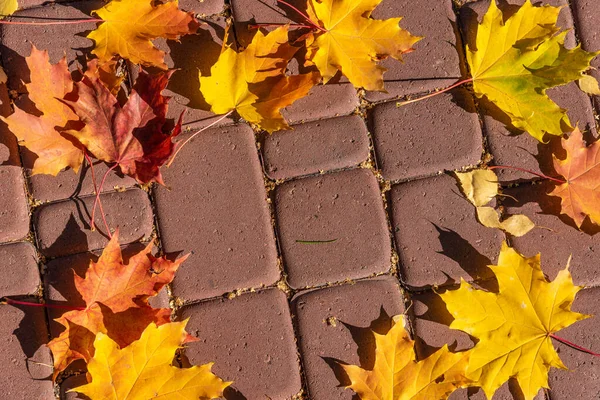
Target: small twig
(306,17)
(573,345)
(69,22)
(97,200)
(316,241)
(528,171)
(27,303)
(403,103)
(194,135)
(256,26)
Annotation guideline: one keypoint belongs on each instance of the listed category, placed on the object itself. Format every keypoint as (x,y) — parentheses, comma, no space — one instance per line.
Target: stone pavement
(272,309)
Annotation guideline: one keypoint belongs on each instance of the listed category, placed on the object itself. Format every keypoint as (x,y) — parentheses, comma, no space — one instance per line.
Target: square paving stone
(424,138)
(582,381)
(335,324)
(435,56)
(217,210)
(316,146)
(23,335)
(556,237)
(251,341)
(57,39)
(19,269)
(63,227)
(14,211)
(437,234)
(344,208)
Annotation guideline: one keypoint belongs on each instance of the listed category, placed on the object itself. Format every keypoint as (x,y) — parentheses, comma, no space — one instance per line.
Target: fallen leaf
(45,134)
(580,194)
(143,370)
(133,136)
(397,374)
(513,326)
(130,26)
(253,81)
(106,72)
(8,7)
(351,41)
(116,297)
(589,85)
(480,186)
(517,60)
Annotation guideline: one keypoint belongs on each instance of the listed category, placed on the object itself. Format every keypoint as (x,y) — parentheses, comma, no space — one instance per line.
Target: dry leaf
(513,326)
(516,60)
(352,42)
(143,370)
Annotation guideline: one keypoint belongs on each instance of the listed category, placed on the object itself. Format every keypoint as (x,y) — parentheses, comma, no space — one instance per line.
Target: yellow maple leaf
(514,325)
(349,40)
(253,81)
(516,60)
(143,370)
(130,25)
(397,375)
(8,7)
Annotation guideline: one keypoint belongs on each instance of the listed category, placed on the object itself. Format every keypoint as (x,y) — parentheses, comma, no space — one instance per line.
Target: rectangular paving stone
(435,56)
(437,234)
(216,209)
(19,269)
(316,146)
(345,208)
(251,341)
(14,211)
(57,39)
(556,237)
(63,228)
(582,380)
(202,7)
(331,320)
(426,137)
(23,335)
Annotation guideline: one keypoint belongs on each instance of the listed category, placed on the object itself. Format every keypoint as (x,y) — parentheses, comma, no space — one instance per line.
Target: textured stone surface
(251,341)
(330,321)
(345,207)
(316,146)
(14,212)
(19,269)
(217,210)
(437,235)
(423,138)
(203,7)
(23,334)
(71,383)
(63,228)
(554,233)
(435,56)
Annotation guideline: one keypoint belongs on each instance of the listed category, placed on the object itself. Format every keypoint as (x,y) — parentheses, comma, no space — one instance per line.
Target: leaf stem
(528,171)
(256,26)
(306,17)
(97,201)
(37,23)
(403,103)
(30,304)
(194,135)
(573,345)
(89,160)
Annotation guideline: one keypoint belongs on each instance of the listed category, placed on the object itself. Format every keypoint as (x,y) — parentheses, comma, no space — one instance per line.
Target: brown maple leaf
(116,297)
(134,136)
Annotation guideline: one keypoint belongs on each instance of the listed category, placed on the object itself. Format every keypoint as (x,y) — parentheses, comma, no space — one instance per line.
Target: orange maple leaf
(580,194)
(45,135)
(116,297)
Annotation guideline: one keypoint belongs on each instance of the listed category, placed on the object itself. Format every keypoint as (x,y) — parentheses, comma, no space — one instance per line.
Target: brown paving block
(557,238)
(71,383)
(251,340)
(426,137)
(202,7)
(587,17)
(14,212)
(63,227)
(437,235)
(19,269)
(25,360)
(345,207)
(217,210)
(582,381)
(316,146)
(435,56)
(330,324)
(57,39)
(508,391)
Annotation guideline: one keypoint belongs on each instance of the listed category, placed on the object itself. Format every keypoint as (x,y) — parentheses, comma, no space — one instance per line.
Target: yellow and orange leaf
(130,26)
(143,370)
(116,297)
